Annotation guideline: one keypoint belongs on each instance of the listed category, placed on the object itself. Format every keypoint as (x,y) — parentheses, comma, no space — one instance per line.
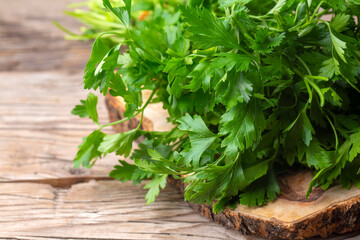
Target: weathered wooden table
(41,195)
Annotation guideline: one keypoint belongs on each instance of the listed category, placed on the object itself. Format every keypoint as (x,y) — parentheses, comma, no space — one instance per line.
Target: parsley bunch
(254,88)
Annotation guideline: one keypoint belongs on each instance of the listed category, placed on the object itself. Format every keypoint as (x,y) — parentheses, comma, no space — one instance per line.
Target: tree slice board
(290,216)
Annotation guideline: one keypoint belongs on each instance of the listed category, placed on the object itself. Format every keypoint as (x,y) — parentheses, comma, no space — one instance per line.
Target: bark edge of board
(332,217)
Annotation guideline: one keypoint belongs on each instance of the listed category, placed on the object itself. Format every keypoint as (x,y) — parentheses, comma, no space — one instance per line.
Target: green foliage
(87,108)
(128,172)
(88,151)
(200,138)
(206,30)
(159,181)
(252,88)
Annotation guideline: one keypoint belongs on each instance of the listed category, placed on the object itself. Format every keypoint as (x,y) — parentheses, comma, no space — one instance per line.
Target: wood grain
(29,41)
(100,210)
(38,135)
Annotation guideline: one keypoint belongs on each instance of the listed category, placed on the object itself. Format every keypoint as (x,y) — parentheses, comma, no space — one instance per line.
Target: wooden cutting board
(290,216)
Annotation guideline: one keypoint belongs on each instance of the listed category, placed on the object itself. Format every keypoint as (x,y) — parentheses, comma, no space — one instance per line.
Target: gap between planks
(100,210)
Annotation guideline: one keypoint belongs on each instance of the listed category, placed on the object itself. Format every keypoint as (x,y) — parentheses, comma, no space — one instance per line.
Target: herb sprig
(253,88)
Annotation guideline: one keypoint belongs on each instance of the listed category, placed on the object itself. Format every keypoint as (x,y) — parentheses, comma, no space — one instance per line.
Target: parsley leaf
(80,110)
(200,138)
(121,143)
(126,172)
(251,90)
(338,45)
(90,105)
(243,125)
(207,31)
(123,13)
(266,186)
(88,150)
(159,181)
(229,3)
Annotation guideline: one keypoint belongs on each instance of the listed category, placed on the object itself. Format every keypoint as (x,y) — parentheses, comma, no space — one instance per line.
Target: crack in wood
(65,182)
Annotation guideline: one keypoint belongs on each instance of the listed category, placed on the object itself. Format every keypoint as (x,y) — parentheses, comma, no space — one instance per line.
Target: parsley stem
(305,79)
(309,82)
(317,90)
(141,110)
(308,89)
(334,130)
(117,122)
(316,10)
(322,13)
(304,64)
(307,10)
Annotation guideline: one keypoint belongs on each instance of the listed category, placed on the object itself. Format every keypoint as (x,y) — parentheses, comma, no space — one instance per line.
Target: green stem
(316,10)
(305,79)
(308,89)
(334,130)
(317,90)
(315,20)
(141,110)
(304,64)
(307,10)
(117,122)
(322,13)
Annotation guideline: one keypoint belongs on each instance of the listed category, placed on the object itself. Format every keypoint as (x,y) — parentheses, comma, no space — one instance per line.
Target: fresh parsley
(253,88)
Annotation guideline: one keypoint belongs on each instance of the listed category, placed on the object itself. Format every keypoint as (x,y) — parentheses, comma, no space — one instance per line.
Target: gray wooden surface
(41,195)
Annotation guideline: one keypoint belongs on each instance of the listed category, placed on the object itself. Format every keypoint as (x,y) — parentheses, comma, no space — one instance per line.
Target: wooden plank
(38,135)
(30,41)
(100,210)
(39,100)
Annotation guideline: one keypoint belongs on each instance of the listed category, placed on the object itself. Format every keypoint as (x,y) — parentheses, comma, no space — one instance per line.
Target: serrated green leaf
(232,89)
(337,4)
(159,181)
(278,6)
(120,143)
(100,68)
(338,45)
(123,13)
(229,3)
(128,172)
(230,61)
(80,110)
(340,22)
(200,138)
(264,43)
(243,125)
(355,146)
(317,156)
(263,189)
(88,150)
(90,105)
(207,30)
(201,76)
(330,68)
